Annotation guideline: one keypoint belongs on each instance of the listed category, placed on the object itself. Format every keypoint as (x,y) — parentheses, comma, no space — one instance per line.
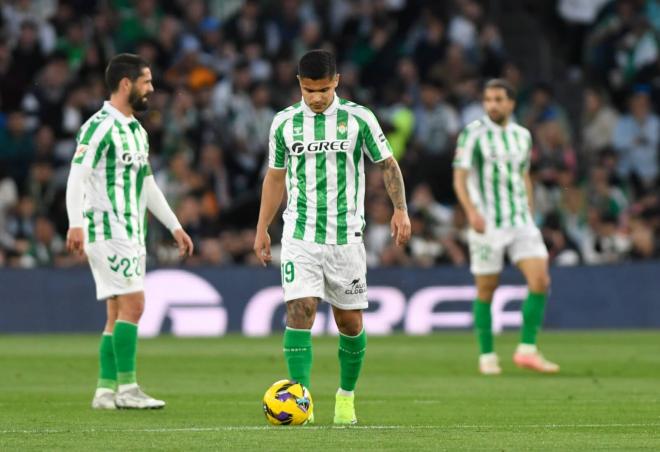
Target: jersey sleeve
(465,148)
(91,142)
(375,143)
(527,140)
(277,150)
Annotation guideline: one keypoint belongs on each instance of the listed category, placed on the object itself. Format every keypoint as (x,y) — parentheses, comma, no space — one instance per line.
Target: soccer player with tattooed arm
(317,150)
(109,190)
(493,185)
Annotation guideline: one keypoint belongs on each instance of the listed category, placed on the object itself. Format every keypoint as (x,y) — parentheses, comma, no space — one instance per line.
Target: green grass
(416,393)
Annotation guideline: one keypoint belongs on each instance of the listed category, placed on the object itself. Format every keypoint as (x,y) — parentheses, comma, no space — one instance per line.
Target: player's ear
(125,83)
(336,81)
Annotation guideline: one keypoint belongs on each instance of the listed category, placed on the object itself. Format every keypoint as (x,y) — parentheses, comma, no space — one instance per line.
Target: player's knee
(131,308)
(485,291)
(349,327)
(300,314)
(539,283)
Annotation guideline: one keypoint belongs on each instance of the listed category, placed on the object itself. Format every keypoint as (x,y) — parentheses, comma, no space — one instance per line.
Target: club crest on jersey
(341,128)
(297,130)
(315,147)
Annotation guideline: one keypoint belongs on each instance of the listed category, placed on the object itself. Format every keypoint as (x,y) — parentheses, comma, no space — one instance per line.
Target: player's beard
(137,101)
(497,117)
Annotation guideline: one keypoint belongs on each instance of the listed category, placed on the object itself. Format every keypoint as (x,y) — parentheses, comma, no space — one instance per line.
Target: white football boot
(133,397)
(489,364)
(104,399)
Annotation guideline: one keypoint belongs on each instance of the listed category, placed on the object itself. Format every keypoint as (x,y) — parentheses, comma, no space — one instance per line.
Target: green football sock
(533,311)
(124,340)
(298,354)
(483,325)
(107,367)
(351,356)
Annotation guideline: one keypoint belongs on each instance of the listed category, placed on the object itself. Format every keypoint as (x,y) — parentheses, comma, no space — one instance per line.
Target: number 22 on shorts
(288,272)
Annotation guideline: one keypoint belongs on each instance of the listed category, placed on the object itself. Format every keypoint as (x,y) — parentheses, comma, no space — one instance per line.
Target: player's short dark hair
(317,64)
(500,83)
(124,65)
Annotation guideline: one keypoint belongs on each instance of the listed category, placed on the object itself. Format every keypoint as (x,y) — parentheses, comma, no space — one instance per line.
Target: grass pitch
(416,393)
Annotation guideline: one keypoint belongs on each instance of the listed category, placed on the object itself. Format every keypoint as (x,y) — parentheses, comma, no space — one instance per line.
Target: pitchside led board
(213,301)
(195,308)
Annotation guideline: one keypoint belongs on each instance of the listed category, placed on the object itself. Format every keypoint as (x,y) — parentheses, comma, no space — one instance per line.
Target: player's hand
(477,221)
(75,238)
(183,242)
(262,247)
(400,226)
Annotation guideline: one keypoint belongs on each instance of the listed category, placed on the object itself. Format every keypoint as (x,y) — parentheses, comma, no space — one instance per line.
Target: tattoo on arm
(394,182)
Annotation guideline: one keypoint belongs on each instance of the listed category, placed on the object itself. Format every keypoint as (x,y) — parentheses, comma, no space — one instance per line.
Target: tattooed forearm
(394,182)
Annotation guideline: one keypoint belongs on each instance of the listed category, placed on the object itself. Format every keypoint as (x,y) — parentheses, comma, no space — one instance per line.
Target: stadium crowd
(222,69)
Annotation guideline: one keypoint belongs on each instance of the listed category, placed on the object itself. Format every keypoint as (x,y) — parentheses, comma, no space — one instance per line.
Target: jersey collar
(119,116)
(331,110)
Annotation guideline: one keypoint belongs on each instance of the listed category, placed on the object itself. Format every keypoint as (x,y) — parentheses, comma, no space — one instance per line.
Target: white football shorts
(487,249)
(118,267)
(334,273)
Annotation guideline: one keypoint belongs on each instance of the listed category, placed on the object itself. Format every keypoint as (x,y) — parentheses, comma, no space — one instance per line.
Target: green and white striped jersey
(498,158)
(116,148)
(322,154)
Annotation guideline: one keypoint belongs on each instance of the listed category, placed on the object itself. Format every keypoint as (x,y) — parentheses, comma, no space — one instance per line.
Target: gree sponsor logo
(128,158)
(314,147)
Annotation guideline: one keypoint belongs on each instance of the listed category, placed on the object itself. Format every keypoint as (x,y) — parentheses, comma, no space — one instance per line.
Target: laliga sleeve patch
(81,150)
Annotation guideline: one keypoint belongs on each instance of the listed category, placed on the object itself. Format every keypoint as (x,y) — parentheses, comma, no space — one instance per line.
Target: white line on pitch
(329,427)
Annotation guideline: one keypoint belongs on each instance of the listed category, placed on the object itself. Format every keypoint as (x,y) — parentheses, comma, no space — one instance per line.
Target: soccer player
(317,149)
(492,182)
(110,186)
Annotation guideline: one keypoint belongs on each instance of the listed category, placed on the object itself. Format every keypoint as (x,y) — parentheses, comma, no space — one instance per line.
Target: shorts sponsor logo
(356,288)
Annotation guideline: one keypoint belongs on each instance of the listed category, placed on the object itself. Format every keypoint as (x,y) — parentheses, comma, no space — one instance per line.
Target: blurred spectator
(605,242)
(468,99)
(41,186)
(577,15)
(598,122)
(45,248)
(637,139)
(606,198)
(541,107)
(436,121)
(561,250)
(44,102)
(397,120)
(247,25)
(552,152)
(431,44)
(16,146)
(464,27)
(136,24)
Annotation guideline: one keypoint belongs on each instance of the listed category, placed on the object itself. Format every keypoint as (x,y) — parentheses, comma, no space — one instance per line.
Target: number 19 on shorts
(288,272)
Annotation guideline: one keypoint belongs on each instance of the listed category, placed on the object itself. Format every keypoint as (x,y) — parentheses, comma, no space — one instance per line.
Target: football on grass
(287,402)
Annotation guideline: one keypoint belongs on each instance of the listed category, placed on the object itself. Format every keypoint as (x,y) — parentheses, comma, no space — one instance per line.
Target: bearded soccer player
(492,182)
(110,187)
(317,150)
